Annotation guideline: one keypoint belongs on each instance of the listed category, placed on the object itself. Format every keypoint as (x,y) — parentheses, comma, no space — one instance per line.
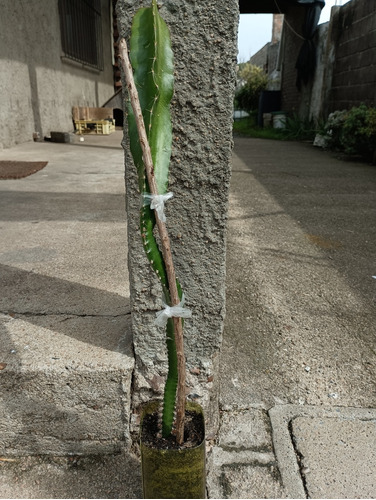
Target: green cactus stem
(150,86)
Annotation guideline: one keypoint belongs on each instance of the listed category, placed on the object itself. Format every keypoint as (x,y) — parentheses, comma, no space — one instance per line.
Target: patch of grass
(295,130)
(248,128)
(300,130)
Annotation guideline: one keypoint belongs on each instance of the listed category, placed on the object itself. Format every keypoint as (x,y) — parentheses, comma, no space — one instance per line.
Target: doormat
(19,169)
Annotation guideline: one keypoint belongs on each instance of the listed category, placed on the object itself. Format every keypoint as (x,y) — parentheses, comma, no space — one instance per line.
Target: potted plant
(172,434)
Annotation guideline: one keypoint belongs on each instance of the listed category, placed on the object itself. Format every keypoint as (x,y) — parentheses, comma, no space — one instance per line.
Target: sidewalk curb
(281,418)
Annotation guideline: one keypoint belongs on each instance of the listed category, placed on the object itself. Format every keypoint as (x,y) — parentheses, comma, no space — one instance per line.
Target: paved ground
(298,361)
(65,342)
(298,366)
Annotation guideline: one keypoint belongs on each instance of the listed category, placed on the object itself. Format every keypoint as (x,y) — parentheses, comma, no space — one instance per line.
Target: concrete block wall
(346,62)
(204,42)
(354,74)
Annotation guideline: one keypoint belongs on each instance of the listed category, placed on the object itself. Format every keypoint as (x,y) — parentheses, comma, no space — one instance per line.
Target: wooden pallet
(103,127)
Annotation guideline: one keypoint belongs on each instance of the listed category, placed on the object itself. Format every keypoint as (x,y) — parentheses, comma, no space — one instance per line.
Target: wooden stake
(165,240)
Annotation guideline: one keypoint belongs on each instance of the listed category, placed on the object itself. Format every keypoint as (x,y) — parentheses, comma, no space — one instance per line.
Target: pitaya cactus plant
(149,77)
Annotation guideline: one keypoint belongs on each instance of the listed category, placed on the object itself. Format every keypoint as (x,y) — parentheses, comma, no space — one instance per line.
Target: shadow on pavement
(57,304)
(60,206)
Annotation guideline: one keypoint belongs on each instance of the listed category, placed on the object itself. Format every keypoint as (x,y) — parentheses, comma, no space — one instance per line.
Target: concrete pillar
(277,28)
(204,41)
(319,89)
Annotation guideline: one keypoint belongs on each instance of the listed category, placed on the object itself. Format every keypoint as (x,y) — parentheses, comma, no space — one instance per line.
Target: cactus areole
(149,77)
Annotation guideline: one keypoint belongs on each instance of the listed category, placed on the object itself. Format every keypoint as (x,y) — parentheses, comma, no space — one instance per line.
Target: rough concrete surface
(251,479)
(203,37)
(338,457)
(66,347)
(242,463)
(93,476)
(301,309)
(251,428)
(300,322)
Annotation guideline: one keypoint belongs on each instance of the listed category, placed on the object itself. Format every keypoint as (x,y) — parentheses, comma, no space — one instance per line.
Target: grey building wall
(260,59)
(204,42)
(38,89)
(267,57)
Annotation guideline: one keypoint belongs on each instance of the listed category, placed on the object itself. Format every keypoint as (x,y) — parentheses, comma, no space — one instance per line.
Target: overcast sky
(255,30)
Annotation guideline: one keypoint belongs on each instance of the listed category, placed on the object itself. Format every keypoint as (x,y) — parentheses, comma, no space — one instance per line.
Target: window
(81,31)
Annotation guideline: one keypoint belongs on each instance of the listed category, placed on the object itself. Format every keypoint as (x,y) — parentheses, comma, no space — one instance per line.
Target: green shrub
(352,131)
(333,130)
(370,128)
(354,139)
(253,81)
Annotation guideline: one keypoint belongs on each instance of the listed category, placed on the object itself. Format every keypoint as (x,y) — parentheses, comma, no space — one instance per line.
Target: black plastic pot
(173,473)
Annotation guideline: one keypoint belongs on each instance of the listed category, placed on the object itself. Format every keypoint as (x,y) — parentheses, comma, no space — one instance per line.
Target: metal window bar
(81,31)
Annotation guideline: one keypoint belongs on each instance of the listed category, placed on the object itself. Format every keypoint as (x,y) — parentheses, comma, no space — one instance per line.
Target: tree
(251,81)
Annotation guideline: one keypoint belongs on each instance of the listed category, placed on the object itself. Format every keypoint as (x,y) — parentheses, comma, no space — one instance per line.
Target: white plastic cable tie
(157,202)
(177,311)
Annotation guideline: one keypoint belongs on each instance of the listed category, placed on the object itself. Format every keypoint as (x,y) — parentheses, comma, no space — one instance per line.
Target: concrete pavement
(298,362)
(65,349)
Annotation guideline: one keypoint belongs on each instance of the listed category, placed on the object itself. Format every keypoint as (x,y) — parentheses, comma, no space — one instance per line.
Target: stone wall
(204,44)
(37,88)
